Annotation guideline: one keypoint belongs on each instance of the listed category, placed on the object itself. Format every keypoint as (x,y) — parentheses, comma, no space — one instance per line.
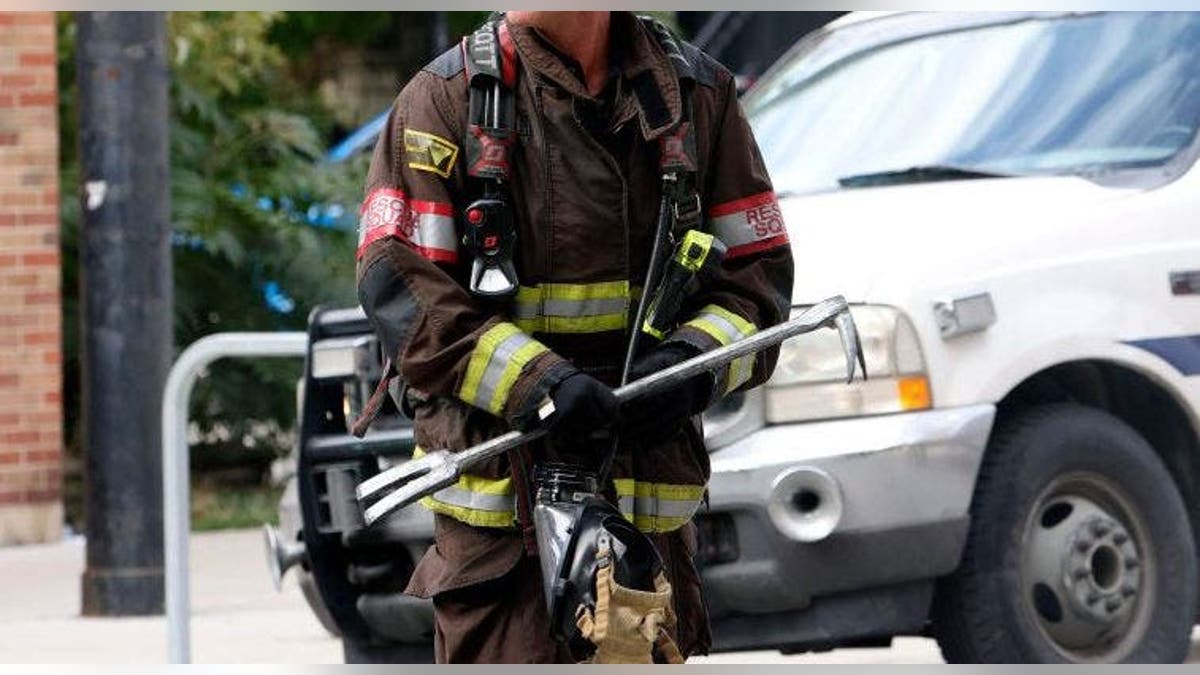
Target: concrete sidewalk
(237,617)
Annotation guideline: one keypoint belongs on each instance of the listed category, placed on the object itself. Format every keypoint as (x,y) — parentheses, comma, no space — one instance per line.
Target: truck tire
(1080,549)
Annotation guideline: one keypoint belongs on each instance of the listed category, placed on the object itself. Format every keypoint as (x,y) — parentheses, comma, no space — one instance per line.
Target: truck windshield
(1077,94)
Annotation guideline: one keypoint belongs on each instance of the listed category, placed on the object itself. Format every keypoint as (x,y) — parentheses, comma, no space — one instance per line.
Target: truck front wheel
(1080,549)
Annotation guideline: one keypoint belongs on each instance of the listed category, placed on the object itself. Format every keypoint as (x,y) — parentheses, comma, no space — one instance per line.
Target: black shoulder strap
(677,147)
(491,117)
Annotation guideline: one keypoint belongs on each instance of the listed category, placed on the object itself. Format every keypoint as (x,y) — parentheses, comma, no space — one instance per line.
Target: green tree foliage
(247,132)
(246,149)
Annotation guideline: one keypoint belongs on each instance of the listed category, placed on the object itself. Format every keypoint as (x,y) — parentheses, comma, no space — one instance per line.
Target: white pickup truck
(1011,202)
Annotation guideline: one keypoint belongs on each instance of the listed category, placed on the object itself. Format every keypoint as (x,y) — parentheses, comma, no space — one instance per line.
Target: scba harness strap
(491,235)
(490,60)
(491,63)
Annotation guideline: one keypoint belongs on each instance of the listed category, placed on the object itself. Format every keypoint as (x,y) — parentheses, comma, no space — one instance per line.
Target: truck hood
(870,243)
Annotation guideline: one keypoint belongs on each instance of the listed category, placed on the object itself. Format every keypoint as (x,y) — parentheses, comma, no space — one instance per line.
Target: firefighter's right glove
(582,404)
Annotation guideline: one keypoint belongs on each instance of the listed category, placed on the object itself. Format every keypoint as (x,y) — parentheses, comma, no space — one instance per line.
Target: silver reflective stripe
(652,506)
(569,308)
(732,334)
(748,225)
(435,231)
(497,362)
(589,307)
(555,307)
(476,501)
(666,508)
(733,230)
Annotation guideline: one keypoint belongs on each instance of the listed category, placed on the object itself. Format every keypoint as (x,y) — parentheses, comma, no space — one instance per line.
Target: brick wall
(30,302)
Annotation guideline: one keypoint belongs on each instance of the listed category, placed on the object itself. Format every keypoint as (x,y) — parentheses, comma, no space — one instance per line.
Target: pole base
(123,592)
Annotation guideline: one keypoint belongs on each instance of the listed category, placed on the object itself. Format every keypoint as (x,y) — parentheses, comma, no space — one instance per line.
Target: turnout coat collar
(650,87)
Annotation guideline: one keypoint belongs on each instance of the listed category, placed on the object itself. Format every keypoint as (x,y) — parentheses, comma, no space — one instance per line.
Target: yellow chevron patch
(429,152)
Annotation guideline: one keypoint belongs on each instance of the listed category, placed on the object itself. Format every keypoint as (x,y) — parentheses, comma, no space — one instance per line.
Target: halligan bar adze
(440,469)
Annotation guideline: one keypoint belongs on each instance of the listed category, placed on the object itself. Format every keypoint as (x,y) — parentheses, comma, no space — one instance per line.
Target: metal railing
(176,480)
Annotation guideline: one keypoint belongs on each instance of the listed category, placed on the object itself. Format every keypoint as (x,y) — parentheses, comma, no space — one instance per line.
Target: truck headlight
(810,379)
(343,358)
(352,362)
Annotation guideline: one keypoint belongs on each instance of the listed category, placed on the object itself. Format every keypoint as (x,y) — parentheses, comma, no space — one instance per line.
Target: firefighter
(606,113)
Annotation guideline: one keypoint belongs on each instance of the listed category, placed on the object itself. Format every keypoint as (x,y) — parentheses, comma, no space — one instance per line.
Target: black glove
(582,404)
(655,417)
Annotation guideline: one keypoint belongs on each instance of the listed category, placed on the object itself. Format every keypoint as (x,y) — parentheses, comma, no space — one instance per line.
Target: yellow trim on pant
(657,507)
(465,500)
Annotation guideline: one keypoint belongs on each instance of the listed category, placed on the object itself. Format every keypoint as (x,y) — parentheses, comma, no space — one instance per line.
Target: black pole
(126,296)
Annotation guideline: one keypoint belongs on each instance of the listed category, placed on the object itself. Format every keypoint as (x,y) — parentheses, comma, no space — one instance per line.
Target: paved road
(237,615)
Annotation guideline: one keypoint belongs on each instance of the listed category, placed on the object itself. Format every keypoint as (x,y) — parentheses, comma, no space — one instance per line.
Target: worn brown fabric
(585,194)
(493,611)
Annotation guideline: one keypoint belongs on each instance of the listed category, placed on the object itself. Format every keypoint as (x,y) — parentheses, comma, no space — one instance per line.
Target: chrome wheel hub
(1082,570)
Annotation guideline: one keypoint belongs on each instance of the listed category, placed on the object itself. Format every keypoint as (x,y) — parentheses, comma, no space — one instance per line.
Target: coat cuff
(509,372)
(712,327)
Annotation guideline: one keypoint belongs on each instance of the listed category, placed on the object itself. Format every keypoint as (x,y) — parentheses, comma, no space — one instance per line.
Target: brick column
(31,419)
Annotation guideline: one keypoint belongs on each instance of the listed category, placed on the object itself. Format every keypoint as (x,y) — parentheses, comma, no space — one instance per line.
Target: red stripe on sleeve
(435,208)
(742,204)
(437,254)
(380,192)
(373,236)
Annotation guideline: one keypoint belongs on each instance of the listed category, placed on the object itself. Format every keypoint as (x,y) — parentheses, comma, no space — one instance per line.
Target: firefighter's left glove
(582,404)
(658,416)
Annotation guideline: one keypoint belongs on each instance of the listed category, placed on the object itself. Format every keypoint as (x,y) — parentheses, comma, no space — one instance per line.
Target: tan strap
(604,574)
(627,624)
(663,586)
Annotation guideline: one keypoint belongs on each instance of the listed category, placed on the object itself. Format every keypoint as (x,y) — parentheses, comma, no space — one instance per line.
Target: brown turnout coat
(585,188)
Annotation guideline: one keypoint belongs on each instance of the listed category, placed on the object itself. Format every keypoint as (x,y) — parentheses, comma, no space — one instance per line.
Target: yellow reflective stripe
(657,507)
(625,487)
(480,357)
(512,371)
(470,516)
(572,324)
(651,330)
(669,491)
(500,355)
(722,325)
(738,372)
(659,524)
(726,327)
(572,308)
(475,500)
(743,326)
(601,289)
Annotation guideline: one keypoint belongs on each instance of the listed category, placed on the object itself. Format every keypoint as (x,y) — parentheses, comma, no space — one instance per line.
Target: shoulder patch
(449,64)
(428,152)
